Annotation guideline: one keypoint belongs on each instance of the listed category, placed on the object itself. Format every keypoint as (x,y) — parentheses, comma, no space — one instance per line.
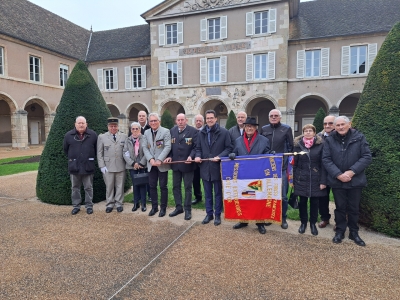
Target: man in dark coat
(199,123)
(183,147)
(280,138)
(238,130)
(144,125)
(213,142)
(249,144)
(80,148)
(345,156)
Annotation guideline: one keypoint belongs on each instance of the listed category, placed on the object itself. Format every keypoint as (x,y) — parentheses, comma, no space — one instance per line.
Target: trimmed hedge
(378,116)
(231,120)
(319,119)
(81,97)
(166,120)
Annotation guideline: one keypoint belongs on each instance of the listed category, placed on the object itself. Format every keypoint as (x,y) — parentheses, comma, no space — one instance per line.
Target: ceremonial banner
(252,188)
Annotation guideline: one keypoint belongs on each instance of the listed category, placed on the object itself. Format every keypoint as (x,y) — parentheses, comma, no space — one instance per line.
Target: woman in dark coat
(309,175)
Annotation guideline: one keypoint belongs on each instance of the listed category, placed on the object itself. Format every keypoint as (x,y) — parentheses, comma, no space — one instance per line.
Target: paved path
(46,253)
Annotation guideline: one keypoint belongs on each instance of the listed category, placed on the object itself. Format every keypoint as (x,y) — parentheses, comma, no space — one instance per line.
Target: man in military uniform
(183,142)
(112,164)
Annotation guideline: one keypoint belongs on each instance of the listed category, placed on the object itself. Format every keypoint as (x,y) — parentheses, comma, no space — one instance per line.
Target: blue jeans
(208,191)
(139,191)
(285,188)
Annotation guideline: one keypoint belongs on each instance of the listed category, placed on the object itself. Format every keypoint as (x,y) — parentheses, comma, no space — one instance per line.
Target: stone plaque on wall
(215,48)
(213,91)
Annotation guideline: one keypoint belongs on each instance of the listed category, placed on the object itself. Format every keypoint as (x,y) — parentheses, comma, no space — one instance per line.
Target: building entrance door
(34,125)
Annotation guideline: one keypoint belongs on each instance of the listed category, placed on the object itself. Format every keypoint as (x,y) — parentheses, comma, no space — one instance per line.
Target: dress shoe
(89,211)
(355,237)
(314,230)
(120,209)
(75,211)
(144,208)
(261,229)
(109,209)
(188,214)
(217,220)
(176,212)
(323,224)
(207,219)
(162,213)
(284,224)
(302,228)
(153,211)
(135,207)
(338,238)
(195,201)
(239,225)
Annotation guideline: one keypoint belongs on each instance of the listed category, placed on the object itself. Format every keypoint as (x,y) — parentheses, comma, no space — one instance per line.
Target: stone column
(48,121)
(290,113)
(123,124)
(334,111)
(19,129)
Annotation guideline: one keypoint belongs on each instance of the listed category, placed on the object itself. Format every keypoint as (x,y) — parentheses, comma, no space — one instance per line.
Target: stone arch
(133,109)
(10,101)
(39,119)
(316,95)
(174,106)
(219,104)
(267,97)
(348,103)
(114,109)
(7,109)
(259,106)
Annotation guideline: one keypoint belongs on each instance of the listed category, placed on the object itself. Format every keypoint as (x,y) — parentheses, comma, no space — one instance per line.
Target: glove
(104,170)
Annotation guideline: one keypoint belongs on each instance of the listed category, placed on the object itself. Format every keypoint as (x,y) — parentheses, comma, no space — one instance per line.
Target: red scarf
(246,140)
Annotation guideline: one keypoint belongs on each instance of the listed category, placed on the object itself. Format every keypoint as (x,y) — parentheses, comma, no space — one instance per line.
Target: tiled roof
(120,43)
(329,18)
(30,23)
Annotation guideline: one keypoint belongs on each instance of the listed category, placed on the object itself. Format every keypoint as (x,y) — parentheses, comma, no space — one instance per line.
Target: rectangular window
(313,63)
(214,29)
(358,58)
(261,66)
(109,79)
(214,67)
(1,61)
(63,75)
(137,77)
(34,68)
(172,73)
(172,34)
(261,22)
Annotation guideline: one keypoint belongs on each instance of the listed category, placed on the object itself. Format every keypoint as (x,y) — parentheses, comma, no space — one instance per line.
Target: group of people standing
(333,159)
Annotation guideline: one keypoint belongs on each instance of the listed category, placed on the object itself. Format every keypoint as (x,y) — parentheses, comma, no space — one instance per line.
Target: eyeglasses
(329,123)
(274,116)
(134,128)
(153,121)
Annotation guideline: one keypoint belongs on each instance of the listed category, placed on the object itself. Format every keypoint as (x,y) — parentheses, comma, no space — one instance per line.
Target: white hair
(76,120)
(346,119)
(155,115)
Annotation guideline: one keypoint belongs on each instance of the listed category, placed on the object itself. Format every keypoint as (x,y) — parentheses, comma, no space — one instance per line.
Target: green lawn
(10,169)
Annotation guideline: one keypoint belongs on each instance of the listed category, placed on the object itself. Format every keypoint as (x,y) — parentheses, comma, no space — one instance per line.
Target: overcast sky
(101,14)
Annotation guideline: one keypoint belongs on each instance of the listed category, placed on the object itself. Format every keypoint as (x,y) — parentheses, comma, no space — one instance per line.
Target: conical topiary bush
(378,116)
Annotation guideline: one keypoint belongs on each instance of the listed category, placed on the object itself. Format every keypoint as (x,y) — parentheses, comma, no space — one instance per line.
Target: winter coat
(259,146)
(81,153)
(339,156)
(308,171)
(182,146)
(221,145)
(129,153)
(235,133)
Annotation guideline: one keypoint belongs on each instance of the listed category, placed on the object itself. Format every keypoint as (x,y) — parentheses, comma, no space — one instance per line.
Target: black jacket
(351,153)
(221,145)
(259,146)
(182,146)
(308,171)
(81,153)
(235,133)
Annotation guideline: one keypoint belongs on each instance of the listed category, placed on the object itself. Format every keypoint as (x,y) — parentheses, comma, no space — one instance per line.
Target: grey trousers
(177,189)
(114,180)
(76,183)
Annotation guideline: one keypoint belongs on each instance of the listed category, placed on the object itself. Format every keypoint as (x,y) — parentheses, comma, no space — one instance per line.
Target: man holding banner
(249,144)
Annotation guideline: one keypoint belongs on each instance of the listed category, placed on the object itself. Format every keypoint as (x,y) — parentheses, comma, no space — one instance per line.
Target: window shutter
(100,79)
(143,74)
(372,51)
(203,70)
(325,62)
(115,77)
(224,27)
(161,35)
(300,63)
(203,30)
(345,60)
(272,20)
(180,32)
(223,68)
(271,65)
(179,64)
(249,67)
(249,23)
(162,67)
(127,78)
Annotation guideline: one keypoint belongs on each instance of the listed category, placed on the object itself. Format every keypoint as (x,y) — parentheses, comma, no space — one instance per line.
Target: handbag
(140,179)
(293,200)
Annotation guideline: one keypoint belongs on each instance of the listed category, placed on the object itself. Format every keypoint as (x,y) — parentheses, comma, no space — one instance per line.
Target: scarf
(308,143)
(209,130)
(136,143)
(248,143)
